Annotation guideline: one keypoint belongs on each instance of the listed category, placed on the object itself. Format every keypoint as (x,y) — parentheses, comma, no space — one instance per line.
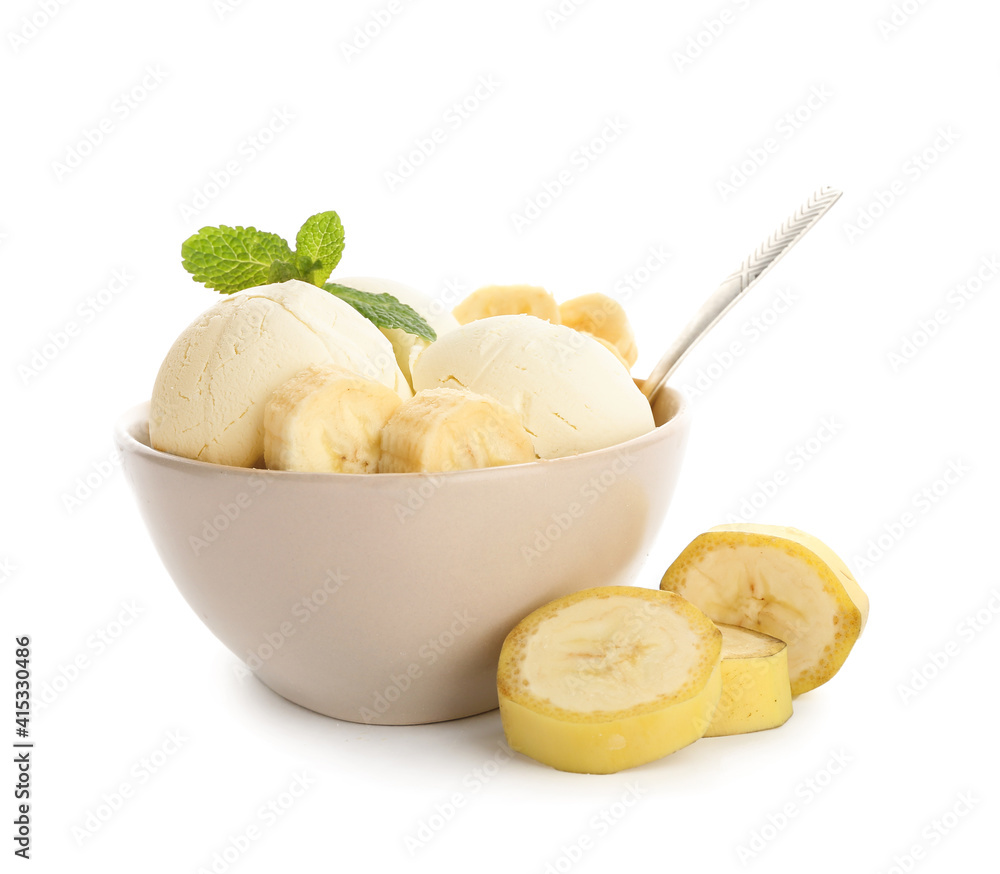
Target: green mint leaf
(306,268)
(321,238)
(281,271)
(231,259)
(384,310)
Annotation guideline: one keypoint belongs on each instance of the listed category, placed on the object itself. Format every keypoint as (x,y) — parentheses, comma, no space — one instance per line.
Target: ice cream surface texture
(572,393)
(211,390)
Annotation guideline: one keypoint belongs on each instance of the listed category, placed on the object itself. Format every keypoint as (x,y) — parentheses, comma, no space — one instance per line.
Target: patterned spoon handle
(734,286)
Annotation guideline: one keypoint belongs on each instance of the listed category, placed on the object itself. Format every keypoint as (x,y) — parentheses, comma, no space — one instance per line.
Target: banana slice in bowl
(507,300)
(329,419)
(452,429)
(604,318)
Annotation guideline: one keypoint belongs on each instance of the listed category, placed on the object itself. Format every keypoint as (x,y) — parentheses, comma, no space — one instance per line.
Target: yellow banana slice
(756,693)
(507,300)
(609,678)
(451,429)
(605,318)
(780,581)
(326,418)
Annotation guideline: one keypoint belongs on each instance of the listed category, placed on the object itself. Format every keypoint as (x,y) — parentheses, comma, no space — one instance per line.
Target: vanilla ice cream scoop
(572,393)
(209,396)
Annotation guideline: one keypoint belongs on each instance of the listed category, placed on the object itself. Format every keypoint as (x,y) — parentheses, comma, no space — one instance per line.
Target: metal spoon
(734,286)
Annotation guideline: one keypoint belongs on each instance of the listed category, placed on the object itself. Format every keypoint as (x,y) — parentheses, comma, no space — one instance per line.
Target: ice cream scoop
(209,396)
(572,393)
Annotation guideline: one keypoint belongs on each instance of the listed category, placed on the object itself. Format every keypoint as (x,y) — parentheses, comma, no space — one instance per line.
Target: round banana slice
(756,693)
(507,300)
(780,581)
(605,318)
(609,678)
(326,418)
(452,429)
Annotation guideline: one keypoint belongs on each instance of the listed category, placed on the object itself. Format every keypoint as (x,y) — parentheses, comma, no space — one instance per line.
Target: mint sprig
(233,259)
(321,239)
(384,310)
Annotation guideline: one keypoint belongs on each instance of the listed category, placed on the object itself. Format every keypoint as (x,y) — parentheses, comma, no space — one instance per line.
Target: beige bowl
(385,598)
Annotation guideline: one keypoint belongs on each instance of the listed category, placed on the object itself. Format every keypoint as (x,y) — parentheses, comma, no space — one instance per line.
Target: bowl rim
(138,416)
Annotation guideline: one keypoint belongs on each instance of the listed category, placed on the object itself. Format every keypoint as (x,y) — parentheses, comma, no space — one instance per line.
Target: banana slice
(326,418)
(605,318)
(407,348)
(756,693)
(451,429)
(609,678)
(507,300)
(780,581)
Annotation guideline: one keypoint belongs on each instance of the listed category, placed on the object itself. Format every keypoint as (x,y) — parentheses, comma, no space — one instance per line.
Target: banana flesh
(606,319)
(326,418)
(407,348)
(609,678)
(756,693)
(782,582)
(507,300)
(451,429)
(595,315)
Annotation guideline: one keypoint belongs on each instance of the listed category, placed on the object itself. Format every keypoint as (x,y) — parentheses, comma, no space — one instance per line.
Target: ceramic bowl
(385,598)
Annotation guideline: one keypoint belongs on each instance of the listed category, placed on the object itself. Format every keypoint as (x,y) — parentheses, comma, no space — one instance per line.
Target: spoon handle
(734,286)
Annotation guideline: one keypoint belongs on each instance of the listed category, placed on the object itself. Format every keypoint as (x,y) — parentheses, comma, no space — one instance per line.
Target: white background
(912,104)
